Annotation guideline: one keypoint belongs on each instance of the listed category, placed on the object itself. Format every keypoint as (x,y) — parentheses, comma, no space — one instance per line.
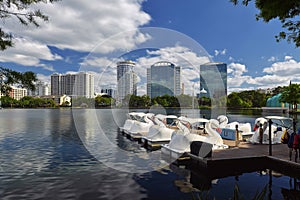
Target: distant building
(17,93)
(127,79)
(163,78)
(41,89)
(213,80)
(109,91)
(80,84)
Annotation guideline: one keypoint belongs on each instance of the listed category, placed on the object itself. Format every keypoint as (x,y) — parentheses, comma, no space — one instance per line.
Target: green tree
(10,77)
(234,100)
(104,101)
(287,11)
(21,10)
(291,95)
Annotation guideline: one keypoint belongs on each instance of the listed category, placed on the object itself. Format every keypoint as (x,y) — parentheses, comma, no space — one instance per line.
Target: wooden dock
(247,157)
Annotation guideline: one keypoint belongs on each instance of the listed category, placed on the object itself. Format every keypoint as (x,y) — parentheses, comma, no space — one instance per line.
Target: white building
(41,89)
(75,85)
(127,79)
(17,93)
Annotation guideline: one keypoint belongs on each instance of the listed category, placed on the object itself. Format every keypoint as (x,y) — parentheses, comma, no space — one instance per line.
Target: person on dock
(290,144)
(296,144)
(261,133)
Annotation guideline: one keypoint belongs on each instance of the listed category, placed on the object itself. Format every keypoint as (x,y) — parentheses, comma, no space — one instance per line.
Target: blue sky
(93,36)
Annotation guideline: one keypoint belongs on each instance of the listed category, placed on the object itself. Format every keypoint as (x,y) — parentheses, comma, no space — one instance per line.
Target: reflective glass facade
(213,80)
(163,78)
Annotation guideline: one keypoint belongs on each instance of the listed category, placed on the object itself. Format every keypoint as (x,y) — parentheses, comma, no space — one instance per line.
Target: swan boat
(137,124)
(278,127)
(229,129)
(161,132)
(180,144)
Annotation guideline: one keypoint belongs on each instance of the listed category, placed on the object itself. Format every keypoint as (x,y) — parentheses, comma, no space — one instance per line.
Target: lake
(79,154)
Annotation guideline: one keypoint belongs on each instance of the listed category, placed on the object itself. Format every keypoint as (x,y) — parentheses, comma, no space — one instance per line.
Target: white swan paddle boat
(229,129)
(137,124)
(179,145)
(278,127)
(161,132)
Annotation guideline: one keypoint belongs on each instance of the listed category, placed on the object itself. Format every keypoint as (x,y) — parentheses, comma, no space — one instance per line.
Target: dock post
(270,137)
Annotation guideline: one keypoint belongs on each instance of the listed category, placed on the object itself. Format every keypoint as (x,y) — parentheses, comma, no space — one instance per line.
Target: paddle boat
(278,127)
(160,132)
(229,129)
(179,145)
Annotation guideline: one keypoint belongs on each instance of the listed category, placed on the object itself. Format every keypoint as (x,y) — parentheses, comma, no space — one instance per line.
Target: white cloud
(220,52)
(80,26)
(272,59)
(28,53)
(236,69)
(289,67)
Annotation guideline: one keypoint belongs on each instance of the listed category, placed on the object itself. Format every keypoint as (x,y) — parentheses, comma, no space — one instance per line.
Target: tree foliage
(104,101)
(287,11)
(247,99)
(291,95)
(21,10)
(27,102)
(10,77)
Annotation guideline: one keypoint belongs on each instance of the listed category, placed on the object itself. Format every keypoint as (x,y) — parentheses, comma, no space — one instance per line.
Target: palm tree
(291,95)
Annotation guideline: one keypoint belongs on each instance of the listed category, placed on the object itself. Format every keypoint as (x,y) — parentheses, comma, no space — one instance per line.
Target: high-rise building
(127,79)
(79,84)
(41,89)
(213,80)
(163,78)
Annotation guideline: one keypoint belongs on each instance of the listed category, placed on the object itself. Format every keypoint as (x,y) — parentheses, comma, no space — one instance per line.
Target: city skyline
(227,33)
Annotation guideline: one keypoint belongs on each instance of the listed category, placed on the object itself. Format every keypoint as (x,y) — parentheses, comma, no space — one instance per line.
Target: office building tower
(80,84)
(163,78)
(213,80)
(127,79)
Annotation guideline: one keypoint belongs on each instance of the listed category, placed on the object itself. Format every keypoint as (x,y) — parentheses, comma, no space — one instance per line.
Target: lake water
(79,154)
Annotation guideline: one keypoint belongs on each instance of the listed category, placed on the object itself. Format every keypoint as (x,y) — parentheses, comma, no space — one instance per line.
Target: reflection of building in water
(163,78)
(127,79)
(213,80)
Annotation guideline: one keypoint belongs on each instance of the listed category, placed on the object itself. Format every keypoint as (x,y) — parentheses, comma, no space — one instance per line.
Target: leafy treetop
(21,10)
(286,11)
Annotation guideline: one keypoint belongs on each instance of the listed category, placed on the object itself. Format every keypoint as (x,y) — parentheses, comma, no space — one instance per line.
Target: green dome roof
(274,101)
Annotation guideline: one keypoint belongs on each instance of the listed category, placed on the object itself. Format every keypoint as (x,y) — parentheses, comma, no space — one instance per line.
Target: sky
(94,35)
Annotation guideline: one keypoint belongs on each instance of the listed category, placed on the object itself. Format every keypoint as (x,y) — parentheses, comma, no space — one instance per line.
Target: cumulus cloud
(289,67)
(278,74)
(81,25)
(29,53)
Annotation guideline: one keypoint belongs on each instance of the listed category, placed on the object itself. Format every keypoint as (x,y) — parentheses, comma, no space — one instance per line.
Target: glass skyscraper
(213,80)
(163,78)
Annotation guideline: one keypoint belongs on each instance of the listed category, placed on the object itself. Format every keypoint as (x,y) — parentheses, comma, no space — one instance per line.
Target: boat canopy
(193,120)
